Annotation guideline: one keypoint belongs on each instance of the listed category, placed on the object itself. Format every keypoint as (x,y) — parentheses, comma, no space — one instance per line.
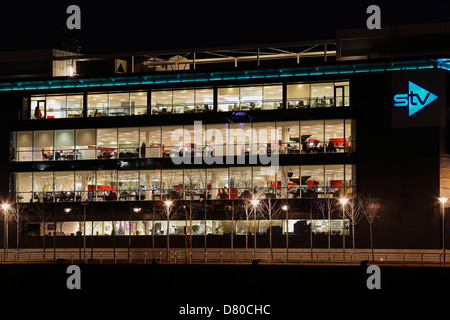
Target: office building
(215,145)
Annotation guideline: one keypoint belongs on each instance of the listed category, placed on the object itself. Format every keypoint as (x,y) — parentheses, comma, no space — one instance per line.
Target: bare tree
(190,208)
(230,214)
(198,184)
(128,188)
(170,210)
(45,196)
(245,209)
(17,211)
(285,178)
(242,180)
(327,207)
(94,225)
(270,210)
(354,214)
(111,176)
(370,208)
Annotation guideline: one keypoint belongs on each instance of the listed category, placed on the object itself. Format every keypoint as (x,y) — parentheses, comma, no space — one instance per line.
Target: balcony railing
(155,150)
(335,189)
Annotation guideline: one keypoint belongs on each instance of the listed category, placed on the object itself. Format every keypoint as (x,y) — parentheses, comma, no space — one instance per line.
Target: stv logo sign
(416,98)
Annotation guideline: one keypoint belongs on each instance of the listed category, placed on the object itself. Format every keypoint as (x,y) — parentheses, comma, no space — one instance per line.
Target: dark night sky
(131,25)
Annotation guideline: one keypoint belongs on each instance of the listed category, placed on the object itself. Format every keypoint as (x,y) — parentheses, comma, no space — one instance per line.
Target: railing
(227,256)
(110,193)
(311,146)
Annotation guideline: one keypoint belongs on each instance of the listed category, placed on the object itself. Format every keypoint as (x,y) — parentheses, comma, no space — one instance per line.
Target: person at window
(113,196)
(331,147)
(305,147)
(37,113)
(143,150)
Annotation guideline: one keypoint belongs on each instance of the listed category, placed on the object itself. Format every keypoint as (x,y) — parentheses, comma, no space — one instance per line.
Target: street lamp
(254,203)
(135,210)
(285,208)
(443,201)
(130,229)
(168,203)
(5,207)
(84,204)
(343,201)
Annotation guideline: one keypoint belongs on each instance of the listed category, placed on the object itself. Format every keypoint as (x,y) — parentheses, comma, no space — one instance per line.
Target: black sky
(110,26)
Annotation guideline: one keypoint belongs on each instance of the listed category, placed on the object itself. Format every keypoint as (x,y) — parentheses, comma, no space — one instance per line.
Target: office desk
(293,150)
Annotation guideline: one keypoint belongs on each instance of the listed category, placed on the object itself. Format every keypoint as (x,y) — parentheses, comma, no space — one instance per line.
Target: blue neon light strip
(117,81)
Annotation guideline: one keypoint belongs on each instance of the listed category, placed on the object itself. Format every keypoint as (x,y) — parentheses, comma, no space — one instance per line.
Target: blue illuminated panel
(118,81)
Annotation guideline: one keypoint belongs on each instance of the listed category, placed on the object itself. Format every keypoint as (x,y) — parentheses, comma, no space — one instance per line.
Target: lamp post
(84,204)
(66,210)
(5,208)
(135,210)
(168,203)
(343,201)
(254,203)
(443,201)
(285,208)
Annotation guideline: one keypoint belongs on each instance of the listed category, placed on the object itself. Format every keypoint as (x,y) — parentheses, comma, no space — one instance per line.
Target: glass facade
(179,227)
(117,104)
(190,100)
(318,95)
(56,106)
(243,98)
(257,182)
(182,101)
(282,137)
(216,186)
